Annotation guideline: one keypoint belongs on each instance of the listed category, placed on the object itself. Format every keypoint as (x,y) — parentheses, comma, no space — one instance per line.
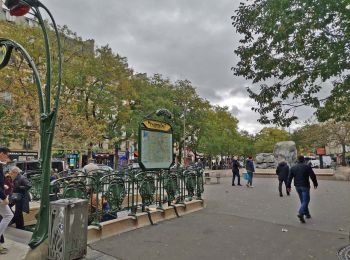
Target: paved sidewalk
(17,243)
(237,223)
(245,223)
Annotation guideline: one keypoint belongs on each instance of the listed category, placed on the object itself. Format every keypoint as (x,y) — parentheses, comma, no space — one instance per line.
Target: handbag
(15,197)
(246,176)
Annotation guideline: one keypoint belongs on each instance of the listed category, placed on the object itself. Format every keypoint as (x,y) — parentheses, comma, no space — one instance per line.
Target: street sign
(155,145)
(321,151)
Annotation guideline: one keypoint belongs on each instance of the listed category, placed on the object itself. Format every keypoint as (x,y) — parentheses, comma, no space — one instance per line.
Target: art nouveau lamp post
(48,115)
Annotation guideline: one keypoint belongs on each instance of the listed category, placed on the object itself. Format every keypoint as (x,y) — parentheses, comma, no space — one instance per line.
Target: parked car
(314,163)
(105,167)
(326,160)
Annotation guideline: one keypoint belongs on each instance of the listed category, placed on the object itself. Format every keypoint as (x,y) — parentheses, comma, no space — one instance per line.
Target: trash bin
(68,222)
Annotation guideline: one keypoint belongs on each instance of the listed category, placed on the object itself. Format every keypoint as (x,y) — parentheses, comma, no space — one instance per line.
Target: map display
(156,149)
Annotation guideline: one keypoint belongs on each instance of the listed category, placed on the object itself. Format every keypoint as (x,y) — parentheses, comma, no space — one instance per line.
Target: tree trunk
(343,160)
(90,151)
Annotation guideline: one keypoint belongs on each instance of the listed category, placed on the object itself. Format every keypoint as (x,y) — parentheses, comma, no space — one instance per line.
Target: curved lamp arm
(10,45)
(48,116)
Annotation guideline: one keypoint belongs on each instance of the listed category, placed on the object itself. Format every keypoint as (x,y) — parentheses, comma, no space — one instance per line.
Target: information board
(156,149)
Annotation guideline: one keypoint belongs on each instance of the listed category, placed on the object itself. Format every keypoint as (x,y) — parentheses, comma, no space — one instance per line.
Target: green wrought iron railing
(127,192)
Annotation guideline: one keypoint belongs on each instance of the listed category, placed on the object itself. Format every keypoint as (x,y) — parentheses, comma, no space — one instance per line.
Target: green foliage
(267,138)
(219,134)
(102,98)
(297,46)
(310,137)
(331,133)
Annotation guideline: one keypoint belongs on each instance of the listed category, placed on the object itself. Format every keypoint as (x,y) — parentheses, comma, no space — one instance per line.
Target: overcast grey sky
(183,39)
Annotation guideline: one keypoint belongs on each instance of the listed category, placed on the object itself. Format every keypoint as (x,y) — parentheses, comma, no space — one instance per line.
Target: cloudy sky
(183,39)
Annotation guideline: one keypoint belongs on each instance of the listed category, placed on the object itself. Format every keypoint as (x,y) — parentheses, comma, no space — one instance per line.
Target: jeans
(7,215)
(304,196)
(234,174)
(250,181)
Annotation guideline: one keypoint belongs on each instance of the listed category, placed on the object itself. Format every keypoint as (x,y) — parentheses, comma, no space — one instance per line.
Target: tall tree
(292,48)
(310,137)
(267,138)
(339,134)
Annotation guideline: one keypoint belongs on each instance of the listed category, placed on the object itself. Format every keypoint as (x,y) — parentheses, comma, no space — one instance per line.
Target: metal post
(47,115)
(184,134)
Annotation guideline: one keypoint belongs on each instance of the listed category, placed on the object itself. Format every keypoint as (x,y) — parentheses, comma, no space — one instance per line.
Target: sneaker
(247,185)
(239,184)
(288,194)
(281,195)
(251,186)
(233,185)
(308,216)
(301,218)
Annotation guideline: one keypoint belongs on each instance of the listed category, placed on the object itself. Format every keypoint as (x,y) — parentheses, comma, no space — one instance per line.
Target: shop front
(23,155)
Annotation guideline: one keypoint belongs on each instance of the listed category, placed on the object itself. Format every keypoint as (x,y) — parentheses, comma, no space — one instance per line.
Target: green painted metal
(167,131)
(147,189)
(109,193)
(47,115)
(47,127)
(35,190)
(171,186)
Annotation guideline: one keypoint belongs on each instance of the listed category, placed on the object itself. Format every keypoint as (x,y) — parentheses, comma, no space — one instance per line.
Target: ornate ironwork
(120,191)
(147,189)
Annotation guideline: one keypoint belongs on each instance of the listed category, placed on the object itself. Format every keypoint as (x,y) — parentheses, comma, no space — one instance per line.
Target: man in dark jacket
(282,171)
(21,186)
(301,174)
(235,171)
(5,210)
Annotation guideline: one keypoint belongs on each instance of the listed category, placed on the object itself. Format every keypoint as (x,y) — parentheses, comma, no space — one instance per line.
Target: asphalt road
(245,223)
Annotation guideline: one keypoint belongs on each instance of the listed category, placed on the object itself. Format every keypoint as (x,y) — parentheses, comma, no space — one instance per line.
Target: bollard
(68,229)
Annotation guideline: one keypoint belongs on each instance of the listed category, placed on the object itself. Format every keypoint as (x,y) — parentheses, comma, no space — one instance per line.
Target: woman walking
(249,166)
(20,196)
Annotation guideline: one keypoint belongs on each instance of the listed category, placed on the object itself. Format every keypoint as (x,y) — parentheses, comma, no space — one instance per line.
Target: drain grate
(344,253)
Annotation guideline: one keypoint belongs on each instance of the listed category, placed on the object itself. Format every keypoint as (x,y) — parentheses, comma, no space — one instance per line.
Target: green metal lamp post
(48,114)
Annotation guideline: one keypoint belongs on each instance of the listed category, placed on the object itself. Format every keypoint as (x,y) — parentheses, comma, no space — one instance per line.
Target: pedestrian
(235,171)
(53,175)
(5,210)
(90,169)
(20,196)
(249,166)
(301,173)
(282,171)
(200,164)
(8,185)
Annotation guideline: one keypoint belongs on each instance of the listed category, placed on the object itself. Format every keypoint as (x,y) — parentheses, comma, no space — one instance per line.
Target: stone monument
(265,160)
(286,151)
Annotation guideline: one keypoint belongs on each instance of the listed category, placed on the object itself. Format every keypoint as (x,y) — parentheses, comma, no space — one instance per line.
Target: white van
(327,162)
